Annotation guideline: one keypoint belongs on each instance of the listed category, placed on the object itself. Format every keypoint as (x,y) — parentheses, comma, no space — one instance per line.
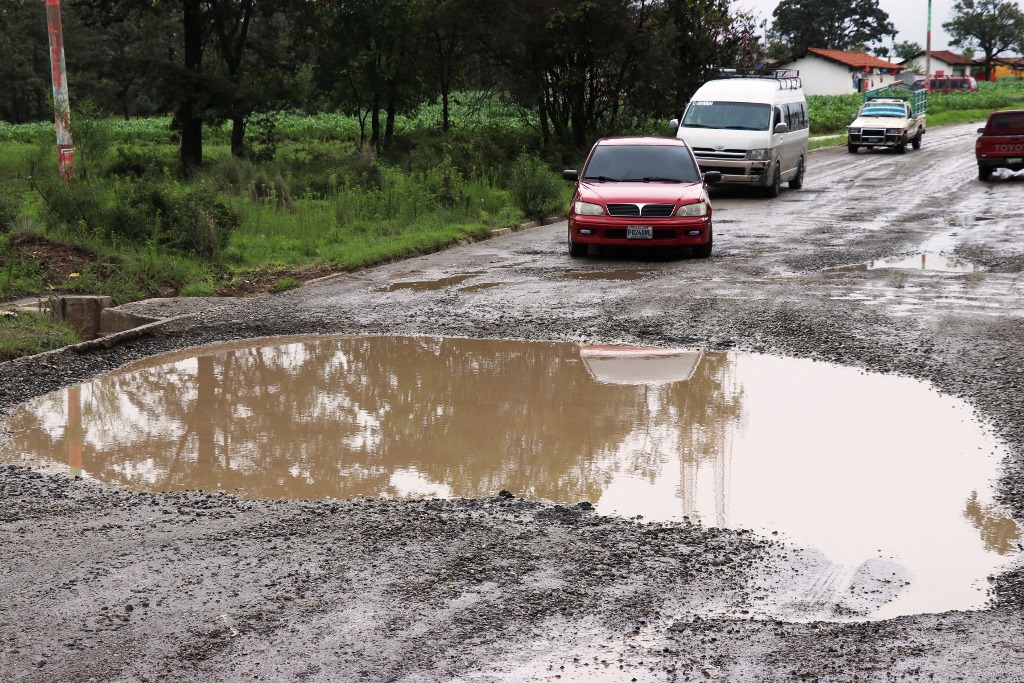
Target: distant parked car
(949,84)
(1001,143)
(640,191)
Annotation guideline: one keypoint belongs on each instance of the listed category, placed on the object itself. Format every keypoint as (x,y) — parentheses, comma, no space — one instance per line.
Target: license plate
(1015,160)
(640,232)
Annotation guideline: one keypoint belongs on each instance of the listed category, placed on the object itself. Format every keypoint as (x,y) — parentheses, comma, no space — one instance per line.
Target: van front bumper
(740,172)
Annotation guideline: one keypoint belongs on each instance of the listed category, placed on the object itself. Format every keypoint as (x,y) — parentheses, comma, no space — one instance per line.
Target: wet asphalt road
(106,585)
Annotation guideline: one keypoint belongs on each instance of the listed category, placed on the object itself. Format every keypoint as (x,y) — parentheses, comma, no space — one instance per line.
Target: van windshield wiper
(743,128)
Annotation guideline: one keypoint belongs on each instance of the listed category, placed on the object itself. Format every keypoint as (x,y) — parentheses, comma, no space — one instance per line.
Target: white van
(750,125)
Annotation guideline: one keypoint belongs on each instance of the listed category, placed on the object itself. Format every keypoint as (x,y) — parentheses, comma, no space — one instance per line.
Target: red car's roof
(640,140)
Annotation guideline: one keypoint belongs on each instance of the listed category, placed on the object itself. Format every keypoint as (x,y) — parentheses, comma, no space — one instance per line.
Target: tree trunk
(187,117)
(237,135)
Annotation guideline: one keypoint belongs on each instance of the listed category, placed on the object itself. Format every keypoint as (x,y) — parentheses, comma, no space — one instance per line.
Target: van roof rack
(789,79)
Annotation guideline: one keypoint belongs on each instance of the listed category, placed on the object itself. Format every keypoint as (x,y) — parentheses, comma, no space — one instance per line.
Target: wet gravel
(108,585)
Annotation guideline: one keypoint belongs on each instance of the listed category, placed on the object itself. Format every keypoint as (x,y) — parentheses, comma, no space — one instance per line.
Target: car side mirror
(981,131)
(570,174)
(713,177)
(674,124)
(781,128)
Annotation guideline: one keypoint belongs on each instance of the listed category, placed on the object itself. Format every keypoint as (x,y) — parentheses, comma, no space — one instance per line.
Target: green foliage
(92,137)
(23,334)
(201,288)
(535,189)
(189,219)
(286,283)
(830,25)
(8,213)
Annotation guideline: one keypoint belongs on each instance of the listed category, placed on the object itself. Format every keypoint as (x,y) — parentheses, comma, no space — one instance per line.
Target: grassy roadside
(24,334)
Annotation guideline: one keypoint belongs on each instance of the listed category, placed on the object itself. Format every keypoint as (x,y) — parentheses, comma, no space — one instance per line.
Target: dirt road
(108,585)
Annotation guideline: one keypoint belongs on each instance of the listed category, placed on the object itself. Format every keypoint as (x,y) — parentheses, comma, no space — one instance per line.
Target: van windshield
(727,115)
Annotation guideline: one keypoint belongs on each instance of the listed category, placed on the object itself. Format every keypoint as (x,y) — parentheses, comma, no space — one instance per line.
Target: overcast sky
(910,17)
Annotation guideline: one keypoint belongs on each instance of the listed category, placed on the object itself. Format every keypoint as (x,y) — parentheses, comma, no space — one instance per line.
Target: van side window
(796,115)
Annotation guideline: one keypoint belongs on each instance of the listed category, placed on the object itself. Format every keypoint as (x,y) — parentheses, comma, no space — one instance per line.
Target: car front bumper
(674,232)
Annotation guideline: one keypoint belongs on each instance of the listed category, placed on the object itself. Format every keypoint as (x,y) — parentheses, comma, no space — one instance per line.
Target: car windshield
(884,110)
(650,163)
(727,115)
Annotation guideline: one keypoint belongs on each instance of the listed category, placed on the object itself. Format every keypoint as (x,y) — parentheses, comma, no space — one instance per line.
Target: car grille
(641,210)
(620,234)
(708,153)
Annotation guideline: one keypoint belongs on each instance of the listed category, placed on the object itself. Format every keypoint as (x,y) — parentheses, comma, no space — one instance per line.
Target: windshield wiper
(601,178)
(652,179)
(742,128)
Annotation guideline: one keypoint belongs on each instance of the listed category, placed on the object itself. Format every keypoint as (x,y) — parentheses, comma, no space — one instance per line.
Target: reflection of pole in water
(710,442)
(74,433)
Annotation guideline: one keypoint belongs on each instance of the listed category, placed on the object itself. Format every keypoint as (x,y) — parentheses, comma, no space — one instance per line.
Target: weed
(22,334)
(536,190)
(286,283)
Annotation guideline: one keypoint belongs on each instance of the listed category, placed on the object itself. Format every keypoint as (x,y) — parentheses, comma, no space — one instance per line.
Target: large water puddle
(936,263)
(864,468)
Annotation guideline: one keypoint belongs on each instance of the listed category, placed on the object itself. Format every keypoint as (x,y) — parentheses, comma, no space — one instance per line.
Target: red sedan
(639,191)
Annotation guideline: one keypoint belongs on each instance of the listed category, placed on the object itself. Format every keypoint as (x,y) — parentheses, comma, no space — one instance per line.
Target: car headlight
(759,154)
(588,209)
(854,131)
(893,131)
(698,209)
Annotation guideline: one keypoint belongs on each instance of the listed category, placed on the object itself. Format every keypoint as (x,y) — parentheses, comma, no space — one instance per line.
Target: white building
(943,63)
(840,72)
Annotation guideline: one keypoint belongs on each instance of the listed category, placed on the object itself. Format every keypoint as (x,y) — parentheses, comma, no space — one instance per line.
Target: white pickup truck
(888,121)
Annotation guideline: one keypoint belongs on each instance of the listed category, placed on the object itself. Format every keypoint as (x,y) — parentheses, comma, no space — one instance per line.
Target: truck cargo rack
(789,79)
(918,99)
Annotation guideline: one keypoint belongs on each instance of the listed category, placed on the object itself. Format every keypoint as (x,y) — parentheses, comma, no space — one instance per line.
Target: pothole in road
(618,274)
(429,285)
(885,478)
(932,262)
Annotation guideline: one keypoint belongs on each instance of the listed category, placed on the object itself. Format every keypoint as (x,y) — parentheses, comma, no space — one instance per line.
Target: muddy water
(869,470)
(430,285)
(927,261)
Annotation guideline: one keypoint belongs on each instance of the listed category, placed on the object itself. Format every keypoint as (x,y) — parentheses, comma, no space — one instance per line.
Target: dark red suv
(640,191)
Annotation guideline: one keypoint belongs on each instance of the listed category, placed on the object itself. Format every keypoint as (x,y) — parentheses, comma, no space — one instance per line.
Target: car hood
(878,122)
(640,193)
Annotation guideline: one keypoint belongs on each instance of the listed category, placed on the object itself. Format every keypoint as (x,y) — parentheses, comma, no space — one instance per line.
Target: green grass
(23,334)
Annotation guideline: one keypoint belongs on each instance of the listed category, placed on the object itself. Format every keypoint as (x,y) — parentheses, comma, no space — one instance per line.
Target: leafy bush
(8,213)
(190,219)
(534,188)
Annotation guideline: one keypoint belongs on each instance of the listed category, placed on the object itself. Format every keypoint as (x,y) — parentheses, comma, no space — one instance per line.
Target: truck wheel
(984,172)
(775,188)
(901,146)
(797,181)
(916,142)
(852,148)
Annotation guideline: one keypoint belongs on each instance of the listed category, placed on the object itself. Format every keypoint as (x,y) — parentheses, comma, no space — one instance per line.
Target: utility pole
(61,107)
(928,51)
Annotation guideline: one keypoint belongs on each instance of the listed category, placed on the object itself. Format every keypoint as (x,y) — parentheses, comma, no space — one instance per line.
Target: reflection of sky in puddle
(876,472)
(928,262)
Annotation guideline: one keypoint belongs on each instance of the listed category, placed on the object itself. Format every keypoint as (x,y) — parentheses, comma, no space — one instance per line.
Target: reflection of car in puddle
(639,364)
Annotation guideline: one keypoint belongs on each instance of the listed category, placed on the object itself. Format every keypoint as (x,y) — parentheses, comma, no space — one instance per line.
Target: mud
(106,584)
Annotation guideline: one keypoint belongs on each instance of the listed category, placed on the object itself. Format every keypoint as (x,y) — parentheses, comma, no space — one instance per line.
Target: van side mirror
(674,124)
(781,128)
(713,177)
(570,174)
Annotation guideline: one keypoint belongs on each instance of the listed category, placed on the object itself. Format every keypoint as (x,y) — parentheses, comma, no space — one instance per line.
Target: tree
(24,62)
(906,50)
(991,26)
(830,24)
